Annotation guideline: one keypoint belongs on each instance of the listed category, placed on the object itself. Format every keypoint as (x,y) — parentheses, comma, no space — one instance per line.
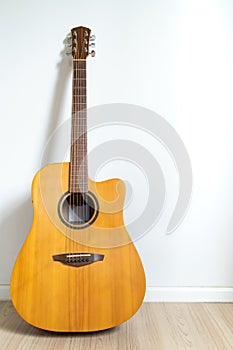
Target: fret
(77,132)
(80,148)
(75,117)
(78,175)
(79,64)
(79,182)
(79,125)
(79,120)
(82,160)
(76,181)
(81,188)
(78,136)
(78,167)
(81,84)
(76,111)
(79,75)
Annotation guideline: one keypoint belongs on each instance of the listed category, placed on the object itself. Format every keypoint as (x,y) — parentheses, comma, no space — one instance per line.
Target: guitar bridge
(78,259)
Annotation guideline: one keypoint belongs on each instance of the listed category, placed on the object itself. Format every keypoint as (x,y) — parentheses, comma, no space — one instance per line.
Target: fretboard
(78,174)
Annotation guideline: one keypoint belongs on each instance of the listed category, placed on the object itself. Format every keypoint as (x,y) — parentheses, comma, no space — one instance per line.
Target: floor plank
(156,326)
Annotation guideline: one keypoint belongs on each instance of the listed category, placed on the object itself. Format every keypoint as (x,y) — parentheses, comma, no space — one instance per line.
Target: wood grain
(53,296)
(157,326)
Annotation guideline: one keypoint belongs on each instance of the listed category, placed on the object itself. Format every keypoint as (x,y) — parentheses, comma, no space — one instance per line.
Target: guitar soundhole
(78,210)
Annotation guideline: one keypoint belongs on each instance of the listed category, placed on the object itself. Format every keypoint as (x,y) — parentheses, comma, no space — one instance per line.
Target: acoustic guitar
(78,270)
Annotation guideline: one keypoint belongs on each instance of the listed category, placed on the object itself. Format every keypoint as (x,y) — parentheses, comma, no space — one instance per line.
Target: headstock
(78,43)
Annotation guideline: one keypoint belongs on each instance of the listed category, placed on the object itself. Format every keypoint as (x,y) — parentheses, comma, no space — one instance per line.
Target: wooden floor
(162,326)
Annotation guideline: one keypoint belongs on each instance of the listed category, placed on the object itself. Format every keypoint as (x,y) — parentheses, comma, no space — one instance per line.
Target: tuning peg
(69,37)
(68,45)
(68,53)
(92,45)
(92,37)
(92,53)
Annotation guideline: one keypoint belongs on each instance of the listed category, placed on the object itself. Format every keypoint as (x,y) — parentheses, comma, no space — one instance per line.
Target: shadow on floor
(13,323)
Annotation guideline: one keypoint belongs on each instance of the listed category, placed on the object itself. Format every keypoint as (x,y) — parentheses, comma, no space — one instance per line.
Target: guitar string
(86,159)
(81,140)
(73,195)
(69,208)
(85,168)
(79,65)
(72,162)
(73,157)
(78,124)
(84,148)
(83,136)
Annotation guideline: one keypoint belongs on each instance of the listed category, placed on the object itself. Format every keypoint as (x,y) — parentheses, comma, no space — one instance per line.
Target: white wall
(175,58)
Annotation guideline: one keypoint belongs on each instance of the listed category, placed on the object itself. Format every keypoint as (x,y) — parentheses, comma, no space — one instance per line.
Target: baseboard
(4,292)
(189,294)
(170,294)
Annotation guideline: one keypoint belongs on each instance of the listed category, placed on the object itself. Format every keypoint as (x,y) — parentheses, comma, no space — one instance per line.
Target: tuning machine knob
(92,53)
(92,37)
(69,36)
(68,53)
(92,45)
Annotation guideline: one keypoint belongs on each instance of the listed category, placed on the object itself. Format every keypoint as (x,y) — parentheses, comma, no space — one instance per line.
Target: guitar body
(58,296)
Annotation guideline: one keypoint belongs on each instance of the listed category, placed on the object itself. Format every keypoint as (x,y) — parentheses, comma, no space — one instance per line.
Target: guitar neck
(78,175)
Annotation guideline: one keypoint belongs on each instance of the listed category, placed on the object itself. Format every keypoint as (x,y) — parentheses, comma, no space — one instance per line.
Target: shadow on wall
(16,225)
